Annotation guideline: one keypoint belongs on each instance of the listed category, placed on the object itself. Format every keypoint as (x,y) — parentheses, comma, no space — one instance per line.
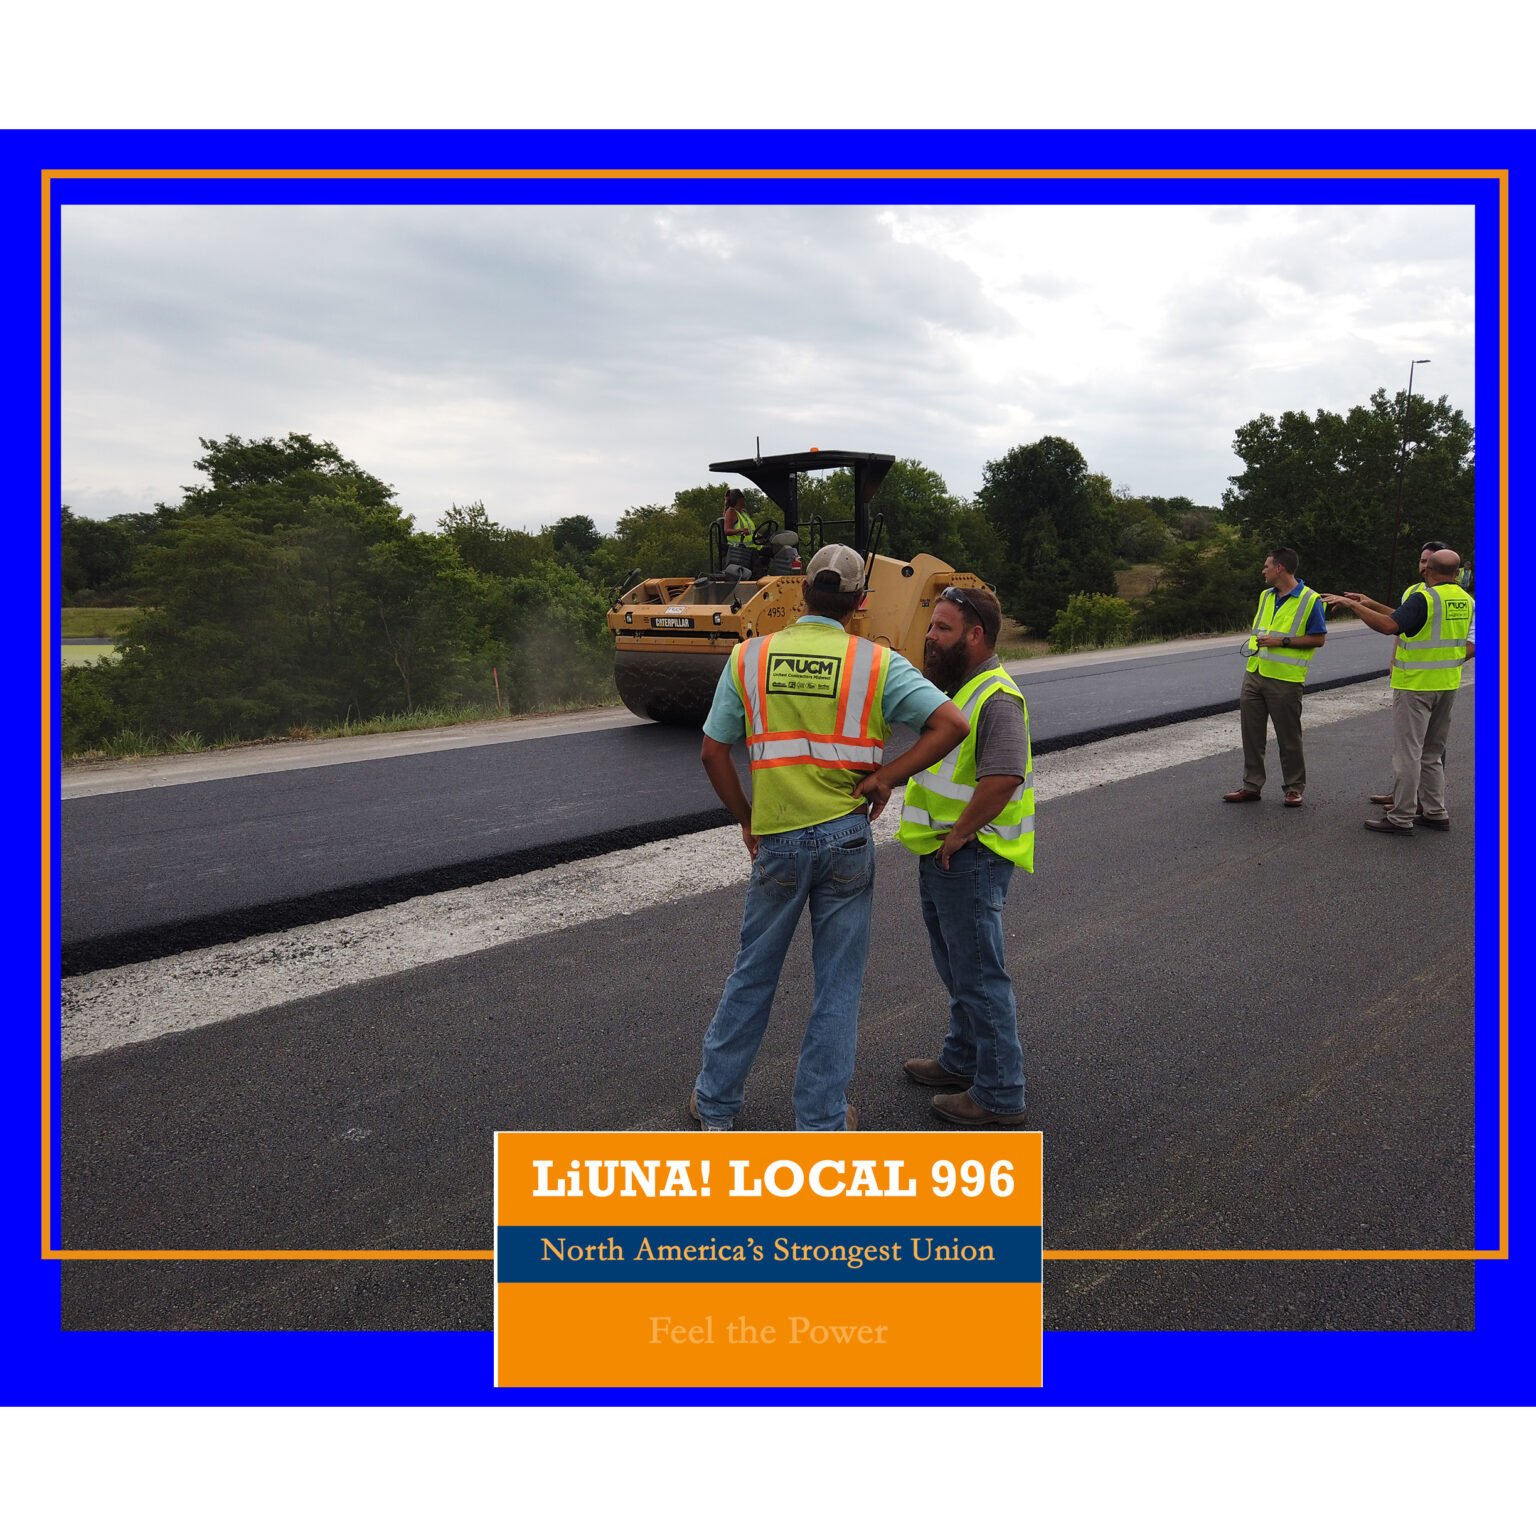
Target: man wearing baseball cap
(814,705)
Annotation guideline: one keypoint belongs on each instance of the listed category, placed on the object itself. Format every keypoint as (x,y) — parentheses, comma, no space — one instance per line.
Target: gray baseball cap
(836,568)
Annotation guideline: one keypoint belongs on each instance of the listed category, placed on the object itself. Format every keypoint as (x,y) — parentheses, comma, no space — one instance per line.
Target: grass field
(83,655)
(80,623)
(1136,582)
(1014,645)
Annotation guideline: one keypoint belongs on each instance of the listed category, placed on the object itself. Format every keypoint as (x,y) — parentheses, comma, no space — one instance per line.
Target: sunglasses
(961,599)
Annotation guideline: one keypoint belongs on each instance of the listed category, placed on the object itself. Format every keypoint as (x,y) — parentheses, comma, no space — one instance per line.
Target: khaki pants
(1421,721)
(1264,699)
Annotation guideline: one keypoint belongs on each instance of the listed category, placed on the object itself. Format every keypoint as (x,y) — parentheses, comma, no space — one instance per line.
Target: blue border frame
(1485,1365)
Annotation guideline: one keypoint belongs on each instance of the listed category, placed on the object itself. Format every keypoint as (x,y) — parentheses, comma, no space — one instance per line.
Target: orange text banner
(765,1259)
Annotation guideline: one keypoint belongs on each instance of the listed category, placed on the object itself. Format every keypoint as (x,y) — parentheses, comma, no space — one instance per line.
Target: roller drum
(673,689)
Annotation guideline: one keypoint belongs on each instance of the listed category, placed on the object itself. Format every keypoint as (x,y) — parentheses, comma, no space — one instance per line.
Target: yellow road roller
(673,634)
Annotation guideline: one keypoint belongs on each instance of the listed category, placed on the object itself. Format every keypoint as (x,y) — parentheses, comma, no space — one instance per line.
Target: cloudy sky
(558,360)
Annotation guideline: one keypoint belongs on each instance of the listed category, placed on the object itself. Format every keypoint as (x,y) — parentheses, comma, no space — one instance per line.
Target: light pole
(1402,473)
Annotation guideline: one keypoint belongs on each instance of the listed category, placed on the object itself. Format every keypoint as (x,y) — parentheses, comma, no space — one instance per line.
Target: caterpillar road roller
(673,634)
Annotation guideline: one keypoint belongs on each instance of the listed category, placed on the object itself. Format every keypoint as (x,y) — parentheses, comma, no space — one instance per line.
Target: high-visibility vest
(937,797)
(815,726)
(1430,661)
(746,527)
(1285,663)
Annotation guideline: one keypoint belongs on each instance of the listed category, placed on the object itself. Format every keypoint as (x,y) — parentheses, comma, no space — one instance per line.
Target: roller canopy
(775,474)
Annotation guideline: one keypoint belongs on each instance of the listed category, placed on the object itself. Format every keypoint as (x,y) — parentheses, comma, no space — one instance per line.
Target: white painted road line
(106,1009)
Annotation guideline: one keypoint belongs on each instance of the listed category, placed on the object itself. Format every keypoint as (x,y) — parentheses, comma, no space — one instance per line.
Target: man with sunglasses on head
(970,819)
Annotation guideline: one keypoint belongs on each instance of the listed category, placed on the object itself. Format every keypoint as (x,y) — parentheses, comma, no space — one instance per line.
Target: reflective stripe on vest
(1286,664)
(814,722)
(1431,660)
(936,798)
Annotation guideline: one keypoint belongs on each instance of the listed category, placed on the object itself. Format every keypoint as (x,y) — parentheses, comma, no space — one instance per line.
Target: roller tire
(672,690)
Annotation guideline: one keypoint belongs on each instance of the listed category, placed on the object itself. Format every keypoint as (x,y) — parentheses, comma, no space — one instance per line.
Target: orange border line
(376,174)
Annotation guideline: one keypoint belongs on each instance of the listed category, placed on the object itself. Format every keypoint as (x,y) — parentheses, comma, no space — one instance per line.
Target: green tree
(219,650)
(546,634)
(1210,584)
(418,594)
(575,539)
(487,547)
(1055,523)
(289,590)
(1182,517)
(1328,487)
(272,481)
(671,540)
(1142,533)
(94,556)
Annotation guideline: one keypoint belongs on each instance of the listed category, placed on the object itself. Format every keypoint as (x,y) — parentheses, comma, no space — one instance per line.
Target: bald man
(1433,626)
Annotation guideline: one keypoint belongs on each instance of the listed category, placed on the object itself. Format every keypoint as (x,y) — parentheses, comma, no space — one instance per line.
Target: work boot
(931,1073)
(962,1109)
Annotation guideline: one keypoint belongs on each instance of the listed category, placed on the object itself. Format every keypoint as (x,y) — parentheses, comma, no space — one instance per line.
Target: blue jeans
(831,866)
(963,908)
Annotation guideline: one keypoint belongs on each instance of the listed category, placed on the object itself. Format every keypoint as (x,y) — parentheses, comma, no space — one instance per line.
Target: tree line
(291,589)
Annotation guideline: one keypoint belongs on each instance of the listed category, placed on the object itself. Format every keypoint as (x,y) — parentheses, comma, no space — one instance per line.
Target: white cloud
(557,360)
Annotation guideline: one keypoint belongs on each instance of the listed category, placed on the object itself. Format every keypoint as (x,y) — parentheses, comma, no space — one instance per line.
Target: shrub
(1091,621)
(88,709)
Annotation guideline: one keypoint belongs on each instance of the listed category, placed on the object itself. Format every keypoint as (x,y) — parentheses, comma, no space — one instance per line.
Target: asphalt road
(162,870)
(1236,1037)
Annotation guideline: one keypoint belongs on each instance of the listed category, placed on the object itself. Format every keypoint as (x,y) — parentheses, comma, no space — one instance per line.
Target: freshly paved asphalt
(162,870)
(1238,1036)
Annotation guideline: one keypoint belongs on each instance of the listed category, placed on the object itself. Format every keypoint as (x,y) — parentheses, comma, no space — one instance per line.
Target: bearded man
(970,819)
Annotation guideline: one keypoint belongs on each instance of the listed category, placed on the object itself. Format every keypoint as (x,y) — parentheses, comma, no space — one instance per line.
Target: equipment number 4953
(973,1178)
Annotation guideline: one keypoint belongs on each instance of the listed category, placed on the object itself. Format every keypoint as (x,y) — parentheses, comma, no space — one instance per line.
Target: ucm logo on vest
(814,675)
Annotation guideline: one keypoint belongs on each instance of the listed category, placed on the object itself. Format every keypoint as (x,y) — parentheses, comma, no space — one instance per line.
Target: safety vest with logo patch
(1431,660)
(1284,663)
(815,727)
(937,797)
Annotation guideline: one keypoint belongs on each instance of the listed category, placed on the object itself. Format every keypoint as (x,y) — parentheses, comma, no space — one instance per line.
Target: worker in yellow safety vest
(813,704)
(1431,546)
(971,821)
(1434,625)
(1287,628)
(740,530)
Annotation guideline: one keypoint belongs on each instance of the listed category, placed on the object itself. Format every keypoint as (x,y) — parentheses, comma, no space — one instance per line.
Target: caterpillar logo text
(804,674)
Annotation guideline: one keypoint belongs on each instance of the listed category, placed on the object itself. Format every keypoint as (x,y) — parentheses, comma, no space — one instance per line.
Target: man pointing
(1434,629)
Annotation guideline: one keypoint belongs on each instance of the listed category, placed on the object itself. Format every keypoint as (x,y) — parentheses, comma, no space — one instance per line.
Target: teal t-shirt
(909,698)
